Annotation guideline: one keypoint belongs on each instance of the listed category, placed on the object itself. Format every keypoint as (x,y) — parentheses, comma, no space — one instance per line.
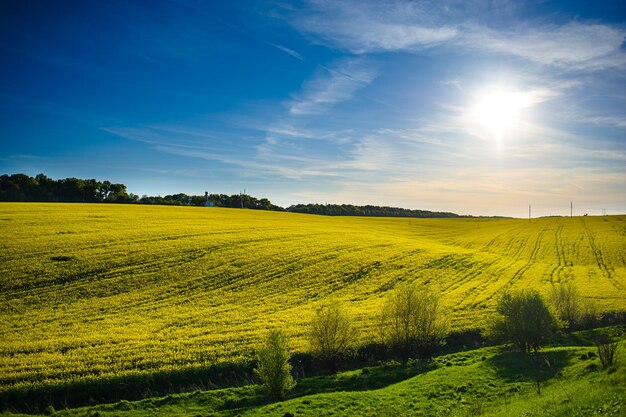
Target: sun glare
(498,111)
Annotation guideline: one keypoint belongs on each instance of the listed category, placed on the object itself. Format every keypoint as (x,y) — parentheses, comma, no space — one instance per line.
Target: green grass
(487,381)
(103,297)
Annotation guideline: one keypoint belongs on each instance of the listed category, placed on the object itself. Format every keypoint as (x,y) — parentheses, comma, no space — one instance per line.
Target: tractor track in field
(555,274)
(474,293)
(607,272)
(513,248)
(512,254)
(531,259)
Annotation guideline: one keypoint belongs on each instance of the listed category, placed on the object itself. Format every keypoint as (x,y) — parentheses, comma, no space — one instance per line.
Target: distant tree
(90,191)
(273,367)
(116,193)
(264,204)
(18,187)
(46,188)
(331,335)
(411,321)
(9,190)
(523,319)
(104,190)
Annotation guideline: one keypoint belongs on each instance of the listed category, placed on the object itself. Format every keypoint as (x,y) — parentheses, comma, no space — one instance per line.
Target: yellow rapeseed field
(90,290)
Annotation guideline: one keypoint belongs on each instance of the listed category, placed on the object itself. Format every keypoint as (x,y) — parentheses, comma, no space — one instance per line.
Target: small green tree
(332,334)
(273,367)
(568,304)
(524,320)
(411,321)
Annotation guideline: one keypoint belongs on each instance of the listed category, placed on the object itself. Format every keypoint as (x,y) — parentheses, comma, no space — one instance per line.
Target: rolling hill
(91,292)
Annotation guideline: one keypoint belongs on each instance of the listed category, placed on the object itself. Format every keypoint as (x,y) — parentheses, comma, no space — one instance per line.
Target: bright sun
(498,111)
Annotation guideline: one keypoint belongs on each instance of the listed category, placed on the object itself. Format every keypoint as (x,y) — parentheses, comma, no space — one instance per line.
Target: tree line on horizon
(23,188)
(369,210)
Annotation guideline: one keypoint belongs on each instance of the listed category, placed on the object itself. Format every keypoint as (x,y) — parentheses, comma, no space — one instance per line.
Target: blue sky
(476,107)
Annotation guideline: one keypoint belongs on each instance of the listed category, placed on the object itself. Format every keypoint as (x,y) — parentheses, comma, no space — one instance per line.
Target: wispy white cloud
(21,157)
(166,134)
(368,27)
(288,51)
(574,45)
(362,27)
(288,130)
(334,84)
(602,121)
(307,167)
(272,158)
(294,128)
(607,121)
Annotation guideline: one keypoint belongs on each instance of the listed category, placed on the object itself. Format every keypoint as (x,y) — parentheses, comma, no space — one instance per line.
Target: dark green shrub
(607,353)
(524,320)
(123,405)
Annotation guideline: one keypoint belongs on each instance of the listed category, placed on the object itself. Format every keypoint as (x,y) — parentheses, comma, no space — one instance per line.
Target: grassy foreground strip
(108,296)
(558,381)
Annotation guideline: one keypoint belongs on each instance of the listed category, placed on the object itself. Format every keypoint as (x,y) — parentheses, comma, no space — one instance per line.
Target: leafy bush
(571,308)
(567,303)
(524,320)
(332,335)
(607,352)
(411,321)
(273,366)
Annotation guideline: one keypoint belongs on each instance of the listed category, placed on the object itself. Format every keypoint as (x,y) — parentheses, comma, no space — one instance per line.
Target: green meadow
(95,293)
(561,381)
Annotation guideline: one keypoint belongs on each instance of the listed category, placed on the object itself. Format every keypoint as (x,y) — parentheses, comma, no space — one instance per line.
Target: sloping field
(90,291)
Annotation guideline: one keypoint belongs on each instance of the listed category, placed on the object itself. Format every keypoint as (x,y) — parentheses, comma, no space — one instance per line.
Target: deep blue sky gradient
(345,102)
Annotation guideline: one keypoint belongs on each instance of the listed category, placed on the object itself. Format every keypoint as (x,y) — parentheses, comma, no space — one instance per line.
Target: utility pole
(571,209)
(529,213)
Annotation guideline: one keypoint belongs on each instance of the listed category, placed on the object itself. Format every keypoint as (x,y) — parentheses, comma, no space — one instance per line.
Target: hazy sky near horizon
(476,107)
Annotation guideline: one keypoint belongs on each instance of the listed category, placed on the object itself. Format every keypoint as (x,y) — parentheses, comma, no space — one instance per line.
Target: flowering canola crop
(89,291)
